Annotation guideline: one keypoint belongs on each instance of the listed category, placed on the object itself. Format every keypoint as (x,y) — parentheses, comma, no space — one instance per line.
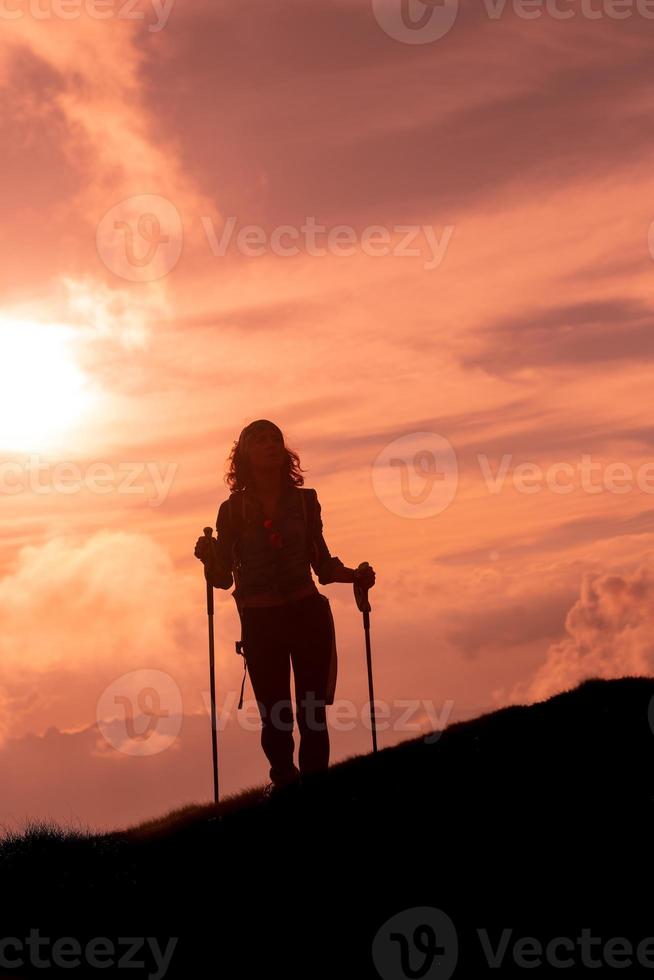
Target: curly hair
(236,477)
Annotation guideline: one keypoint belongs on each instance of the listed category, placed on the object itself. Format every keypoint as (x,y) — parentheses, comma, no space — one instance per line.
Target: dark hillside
(533,819)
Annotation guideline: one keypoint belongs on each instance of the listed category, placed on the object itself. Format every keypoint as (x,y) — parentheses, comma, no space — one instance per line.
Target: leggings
(274,637)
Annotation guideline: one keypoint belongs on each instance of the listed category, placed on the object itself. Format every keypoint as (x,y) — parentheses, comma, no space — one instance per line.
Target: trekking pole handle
(208,533)
(360,593)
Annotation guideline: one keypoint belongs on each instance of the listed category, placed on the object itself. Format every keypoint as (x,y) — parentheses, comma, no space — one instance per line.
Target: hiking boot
(274,789)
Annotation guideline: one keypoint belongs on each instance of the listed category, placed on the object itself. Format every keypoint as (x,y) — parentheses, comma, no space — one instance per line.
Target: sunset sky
(165,281)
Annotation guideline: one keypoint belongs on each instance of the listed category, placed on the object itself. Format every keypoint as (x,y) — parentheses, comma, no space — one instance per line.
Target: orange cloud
(78,614)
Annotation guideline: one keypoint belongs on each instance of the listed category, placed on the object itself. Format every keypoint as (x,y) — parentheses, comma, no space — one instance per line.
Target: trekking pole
(214,734)
(361,597)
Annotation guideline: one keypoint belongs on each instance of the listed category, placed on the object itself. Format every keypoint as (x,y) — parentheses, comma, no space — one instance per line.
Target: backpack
(237,520)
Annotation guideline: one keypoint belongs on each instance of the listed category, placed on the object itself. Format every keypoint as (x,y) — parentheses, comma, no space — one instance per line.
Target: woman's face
(265,449)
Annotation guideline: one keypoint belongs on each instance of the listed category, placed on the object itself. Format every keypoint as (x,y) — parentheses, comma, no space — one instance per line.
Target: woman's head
(261,445)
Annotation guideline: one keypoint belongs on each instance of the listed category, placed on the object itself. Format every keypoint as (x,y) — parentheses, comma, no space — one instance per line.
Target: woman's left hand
(364,577)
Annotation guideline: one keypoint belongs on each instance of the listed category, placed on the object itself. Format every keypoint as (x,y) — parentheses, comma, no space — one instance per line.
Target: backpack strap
(304,505)
(236,524)
(307,523)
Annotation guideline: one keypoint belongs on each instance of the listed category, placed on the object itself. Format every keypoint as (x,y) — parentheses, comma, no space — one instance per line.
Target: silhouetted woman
(285,619)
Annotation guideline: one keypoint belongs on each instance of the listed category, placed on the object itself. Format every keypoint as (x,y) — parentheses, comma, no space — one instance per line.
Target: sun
(43,392)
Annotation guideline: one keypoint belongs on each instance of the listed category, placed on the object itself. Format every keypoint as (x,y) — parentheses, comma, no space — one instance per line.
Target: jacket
(254,563)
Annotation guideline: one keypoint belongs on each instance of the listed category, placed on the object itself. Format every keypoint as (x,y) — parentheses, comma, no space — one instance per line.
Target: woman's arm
(218,568)
(342,574)
(329,568)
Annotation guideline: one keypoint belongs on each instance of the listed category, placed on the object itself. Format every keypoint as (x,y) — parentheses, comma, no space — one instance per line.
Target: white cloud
(610,632)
